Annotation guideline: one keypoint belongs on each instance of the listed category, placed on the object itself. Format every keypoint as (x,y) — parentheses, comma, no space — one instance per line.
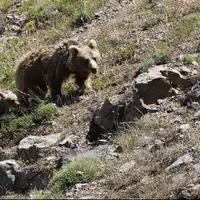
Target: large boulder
(124,107)
(147,89)
(16,177)
(32,147)
(159,82)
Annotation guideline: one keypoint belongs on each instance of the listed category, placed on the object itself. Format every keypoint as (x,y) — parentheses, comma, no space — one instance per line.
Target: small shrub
(191,59)
(145,65)
(5,5)
(11,124)
(160,58)
(150,22)
(78,171)
(44,112)
(15,123)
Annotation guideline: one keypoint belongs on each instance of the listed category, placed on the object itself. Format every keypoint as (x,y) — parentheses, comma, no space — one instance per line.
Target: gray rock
(193,94)
(16,177)
(115,113)
(185,70)
(197,115)
(70,141)
(184,127)
(158,144)
(192,191)
(185,57)
(127,166)
(3,155)
(152,86)
(183,160)
(103,151)
(30,147)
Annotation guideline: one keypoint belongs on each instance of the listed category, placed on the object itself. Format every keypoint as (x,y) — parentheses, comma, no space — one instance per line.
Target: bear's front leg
(56,95)
(84,83)
(88,87)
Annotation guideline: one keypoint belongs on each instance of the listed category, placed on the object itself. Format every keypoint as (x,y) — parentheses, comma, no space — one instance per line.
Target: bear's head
(10,99)
(84,58)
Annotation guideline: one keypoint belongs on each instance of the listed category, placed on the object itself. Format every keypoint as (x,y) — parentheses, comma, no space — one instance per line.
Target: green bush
(78,171)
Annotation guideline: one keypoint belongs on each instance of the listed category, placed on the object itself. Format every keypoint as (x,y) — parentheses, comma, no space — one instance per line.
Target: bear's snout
(93,66)
(94,71)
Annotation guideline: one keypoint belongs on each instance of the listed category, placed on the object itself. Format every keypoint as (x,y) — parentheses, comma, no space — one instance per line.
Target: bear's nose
(94,71)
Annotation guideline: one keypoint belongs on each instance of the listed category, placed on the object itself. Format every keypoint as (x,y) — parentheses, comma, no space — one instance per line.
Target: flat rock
(30,147)
(127,166)
(183,160)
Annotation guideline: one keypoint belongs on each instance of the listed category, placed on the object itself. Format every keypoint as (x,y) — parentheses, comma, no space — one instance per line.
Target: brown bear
(49,67)
(8,100)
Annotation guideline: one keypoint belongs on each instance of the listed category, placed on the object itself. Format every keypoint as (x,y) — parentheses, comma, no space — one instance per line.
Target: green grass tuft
(78,171)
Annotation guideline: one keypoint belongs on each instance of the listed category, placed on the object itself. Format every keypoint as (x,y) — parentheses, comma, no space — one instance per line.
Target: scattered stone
(185,57)
(192,191)
(184,127)
(152,86)
(185,70)
(70,141)
(193,95)
(127,166)
(15,177)
(3,155)
(158,144)
(104,151)
(114,112)
(197,115)
(146,141)
(183,160)
(30,147)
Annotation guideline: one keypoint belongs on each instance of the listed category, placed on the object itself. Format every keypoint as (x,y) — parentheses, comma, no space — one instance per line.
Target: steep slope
(132,37)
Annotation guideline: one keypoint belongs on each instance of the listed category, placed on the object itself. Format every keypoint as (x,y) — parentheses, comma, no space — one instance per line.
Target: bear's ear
(92,44)
(73,49)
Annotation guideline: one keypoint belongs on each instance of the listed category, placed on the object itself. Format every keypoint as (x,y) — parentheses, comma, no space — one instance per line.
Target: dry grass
(152,35)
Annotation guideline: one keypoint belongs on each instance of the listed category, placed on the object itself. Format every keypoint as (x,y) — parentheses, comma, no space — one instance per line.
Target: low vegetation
(14,124)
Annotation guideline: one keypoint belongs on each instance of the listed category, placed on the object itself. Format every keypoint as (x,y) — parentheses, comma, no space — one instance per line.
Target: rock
(15,177)
(185,57)
(109,117)
(145,141)
(104,151)
(158,144)
(197,115)
(185,159)
(184,127)
(3,155)
(159,82)
(148,88)
(31,147)
(193,95)
(185,70)
(10,172)
(127,166)
(152,86)
(70,141)
(192,191)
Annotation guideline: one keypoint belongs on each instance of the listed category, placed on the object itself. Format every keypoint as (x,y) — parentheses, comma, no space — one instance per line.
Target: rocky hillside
(138,137)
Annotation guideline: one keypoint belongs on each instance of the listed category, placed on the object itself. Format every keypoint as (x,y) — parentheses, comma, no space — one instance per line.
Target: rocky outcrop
(15,177)
(148,88)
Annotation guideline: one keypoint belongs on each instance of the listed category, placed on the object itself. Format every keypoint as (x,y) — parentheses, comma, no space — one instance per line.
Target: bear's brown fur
(8,100)
(49,67)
